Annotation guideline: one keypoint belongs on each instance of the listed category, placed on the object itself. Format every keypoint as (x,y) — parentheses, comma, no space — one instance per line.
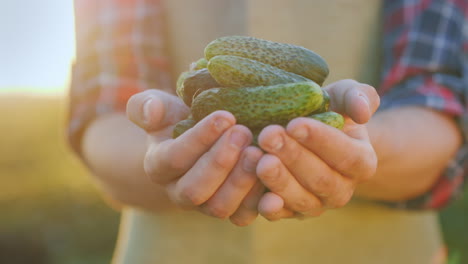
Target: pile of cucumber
(259,81)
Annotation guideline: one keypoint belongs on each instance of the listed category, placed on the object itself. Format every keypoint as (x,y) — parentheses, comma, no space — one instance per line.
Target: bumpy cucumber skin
(194,83)
(330,118)
(194,66)
(199,64)
(291,58)
(256,107)
(180,81)
(326,103)
(234,71)
(183,126)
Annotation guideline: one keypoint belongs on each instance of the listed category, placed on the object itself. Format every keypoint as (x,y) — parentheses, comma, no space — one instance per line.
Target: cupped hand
(310,167)
(209,168)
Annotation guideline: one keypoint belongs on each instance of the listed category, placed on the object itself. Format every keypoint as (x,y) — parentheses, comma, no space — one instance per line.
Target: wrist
(114,149)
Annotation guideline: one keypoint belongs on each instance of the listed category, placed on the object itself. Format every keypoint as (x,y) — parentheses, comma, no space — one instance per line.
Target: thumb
(357,100)
(153,110)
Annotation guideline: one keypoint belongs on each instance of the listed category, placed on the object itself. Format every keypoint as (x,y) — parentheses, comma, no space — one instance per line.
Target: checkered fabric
(426,64)
(121,51)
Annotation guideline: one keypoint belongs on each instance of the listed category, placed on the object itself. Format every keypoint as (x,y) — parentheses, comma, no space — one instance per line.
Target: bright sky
(36,45)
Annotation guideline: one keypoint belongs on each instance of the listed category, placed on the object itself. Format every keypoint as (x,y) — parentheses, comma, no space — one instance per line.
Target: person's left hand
(309,166)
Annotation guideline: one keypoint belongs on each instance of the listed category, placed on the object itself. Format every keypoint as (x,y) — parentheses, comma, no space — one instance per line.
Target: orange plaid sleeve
(120,51)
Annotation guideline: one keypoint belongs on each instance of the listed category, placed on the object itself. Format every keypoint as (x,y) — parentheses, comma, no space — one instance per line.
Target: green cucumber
(257,107)
(291,58)
(183,126)
(193,83)
(234,71)
(330,118)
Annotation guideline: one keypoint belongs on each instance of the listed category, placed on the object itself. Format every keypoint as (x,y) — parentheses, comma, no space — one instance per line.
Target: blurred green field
(51,211)
(454,221)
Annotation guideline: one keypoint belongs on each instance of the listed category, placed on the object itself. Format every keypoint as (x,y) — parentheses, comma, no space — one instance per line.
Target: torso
(346,34)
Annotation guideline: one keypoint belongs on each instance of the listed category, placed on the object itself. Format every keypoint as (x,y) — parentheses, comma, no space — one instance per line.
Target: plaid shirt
(121,51)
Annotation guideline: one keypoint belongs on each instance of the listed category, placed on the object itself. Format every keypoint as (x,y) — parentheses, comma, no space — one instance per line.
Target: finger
(351,157)
(247,211)
(356,100)
(279,180)
(232,192)
(211,170)
(169,160)
(155,109)
(308,169)
(271,206)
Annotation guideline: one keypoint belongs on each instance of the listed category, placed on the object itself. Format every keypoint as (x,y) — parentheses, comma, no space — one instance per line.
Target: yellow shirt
(346,34)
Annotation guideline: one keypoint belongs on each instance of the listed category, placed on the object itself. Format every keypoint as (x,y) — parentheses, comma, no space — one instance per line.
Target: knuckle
(272,176)
(322,183)
(221,161)
(304,205)
(243,181)
(342,200)
(352,161)
(211,130)
(293,154)
(218,211)
(206,140)
(363,166)
(191,196)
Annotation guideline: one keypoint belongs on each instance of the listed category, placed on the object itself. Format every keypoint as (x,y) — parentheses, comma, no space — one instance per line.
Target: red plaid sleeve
(120,51)
(426,64)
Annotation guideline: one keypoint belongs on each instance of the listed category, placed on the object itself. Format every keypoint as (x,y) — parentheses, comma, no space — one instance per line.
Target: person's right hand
(210,168)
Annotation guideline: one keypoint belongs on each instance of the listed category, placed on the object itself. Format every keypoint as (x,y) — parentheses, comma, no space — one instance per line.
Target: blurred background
(51,211)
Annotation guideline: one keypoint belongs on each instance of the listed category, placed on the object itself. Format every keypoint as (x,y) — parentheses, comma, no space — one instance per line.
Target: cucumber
(288,57)
(199,64)
(183,126)
(330,118)
(234,71)
(193,83)
(256,107)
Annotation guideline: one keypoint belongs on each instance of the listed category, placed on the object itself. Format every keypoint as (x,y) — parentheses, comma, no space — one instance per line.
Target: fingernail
(300,133)
(238,139)
(147,110)
(221,124)
(363,97)
(248,164)
(277,143)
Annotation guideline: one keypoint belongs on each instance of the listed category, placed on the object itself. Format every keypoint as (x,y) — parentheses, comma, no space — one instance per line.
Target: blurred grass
(454,221)
(51,211)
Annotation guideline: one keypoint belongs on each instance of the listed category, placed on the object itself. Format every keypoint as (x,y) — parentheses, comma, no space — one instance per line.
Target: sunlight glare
(37,45)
